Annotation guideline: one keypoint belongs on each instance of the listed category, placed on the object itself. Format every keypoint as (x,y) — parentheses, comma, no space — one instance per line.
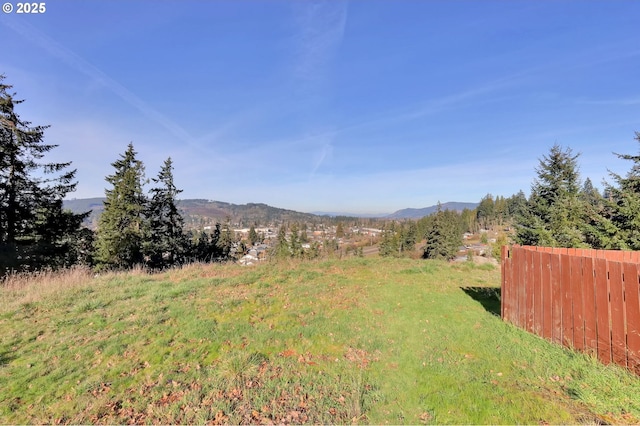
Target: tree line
(564,211)
(146,228)
(442,231)
(136,228)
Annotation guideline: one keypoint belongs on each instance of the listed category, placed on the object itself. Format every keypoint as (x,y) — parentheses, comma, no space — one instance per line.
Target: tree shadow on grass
(488,297)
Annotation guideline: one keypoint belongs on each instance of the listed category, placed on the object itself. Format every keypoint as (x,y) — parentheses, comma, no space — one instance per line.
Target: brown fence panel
(618,335)
(521,286)
(602,310)
(531,291)
(538,307)
(505,268)
(577,280)
(589,299)
(556,297)
(632,301)
(547,324)
(583,298)
(567,312)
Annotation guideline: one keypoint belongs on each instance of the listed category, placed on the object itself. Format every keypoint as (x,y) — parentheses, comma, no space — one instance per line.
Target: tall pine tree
(554,213)
(35,231)
(165,243)
(443,236)
(624,203)
(121,226)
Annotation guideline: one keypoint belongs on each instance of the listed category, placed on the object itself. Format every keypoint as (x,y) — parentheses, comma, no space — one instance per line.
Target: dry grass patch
(28,288)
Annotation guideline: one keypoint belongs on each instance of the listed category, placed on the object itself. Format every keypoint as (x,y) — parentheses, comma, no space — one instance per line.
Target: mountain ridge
(412,213)
(202,212)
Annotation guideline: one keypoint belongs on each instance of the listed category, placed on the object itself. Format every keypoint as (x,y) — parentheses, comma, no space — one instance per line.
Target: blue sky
(361,106)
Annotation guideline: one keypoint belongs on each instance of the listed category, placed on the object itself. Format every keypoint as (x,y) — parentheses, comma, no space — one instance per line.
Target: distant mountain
(199,213)
(343,214)
(426,211)
(82,205)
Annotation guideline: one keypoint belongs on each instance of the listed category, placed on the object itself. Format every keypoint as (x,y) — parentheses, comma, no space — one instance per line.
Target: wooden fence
(581,298)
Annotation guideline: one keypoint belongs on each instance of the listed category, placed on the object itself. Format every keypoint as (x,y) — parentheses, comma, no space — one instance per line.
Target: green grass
(358,340)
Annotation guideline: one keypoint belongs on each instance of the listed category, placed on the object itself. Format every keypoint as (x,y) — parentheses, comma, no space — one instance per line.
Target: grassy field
(346,341)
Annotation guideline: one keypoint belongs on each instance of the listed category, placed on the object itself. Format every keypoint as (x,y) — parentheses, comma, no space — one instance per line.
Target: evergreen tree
(624,203)
(407,237)
(295,244)
(225,241)
(443,237)
(120,230)
(35,231)
(214,252)
(389,241)
(200,247)
(500,210)
(281,249)
(303,233)
(314,251)
(486,212)
(516,205)
(554,213)
(469,220)
(600,232)
(253,235)
(164,240)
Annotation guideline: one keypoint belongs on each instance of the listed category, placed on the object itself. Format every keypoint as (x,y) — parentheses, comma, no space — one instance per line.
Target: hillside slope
(353,341)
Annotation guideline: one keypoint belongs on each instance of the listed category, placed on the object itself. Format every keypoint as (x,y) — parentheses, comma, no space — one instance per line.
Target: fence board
(567,311)
(556,306)
(504,282)
(521,287)
(602,311)
(547,324)
(589,303)
(632,301)
(531,292)
(576,285)
(618,335)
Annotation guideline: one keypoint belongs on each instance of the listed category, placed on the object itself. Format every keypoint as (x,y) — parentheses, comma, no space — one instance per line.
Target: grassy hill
(351,341)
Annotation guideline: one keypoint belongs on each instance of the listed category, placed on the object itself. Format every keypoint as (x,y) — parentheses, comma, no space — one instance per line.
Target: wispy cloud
(320,29)
(611,102)
(321,26)
(75,61)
